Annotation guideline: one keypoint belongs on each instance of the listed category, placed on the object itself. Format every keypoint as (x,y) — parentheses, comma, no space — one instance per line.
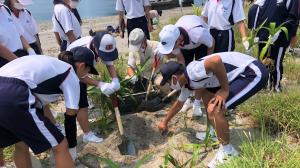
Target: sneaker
(186,106)
(221,156)
(73,153)
(197,112)
(91,137)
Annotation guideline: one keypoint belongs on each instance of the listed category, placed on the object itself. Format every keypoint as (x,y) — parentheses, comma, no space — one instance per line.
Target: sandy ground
(140,127)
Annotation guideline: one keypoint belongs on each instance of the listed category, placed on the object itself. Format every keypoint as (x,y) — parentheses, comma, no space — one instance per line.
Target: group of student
(222,80)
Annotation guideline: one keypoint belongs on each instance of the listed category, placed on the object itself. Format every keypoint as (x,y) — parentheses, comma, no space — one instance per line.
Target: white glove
(105,88)
(115,84)
(275,37)
(31,51)
(246,44)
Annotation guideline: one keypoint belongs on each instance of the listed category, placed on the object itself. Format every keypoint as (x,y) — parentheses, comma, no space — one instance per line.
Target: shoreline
(51,48)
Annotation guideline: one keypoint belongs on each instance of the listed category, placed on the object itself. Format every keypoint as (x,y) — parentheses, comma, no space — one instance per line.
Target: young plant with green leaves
(196,10)
(111,164)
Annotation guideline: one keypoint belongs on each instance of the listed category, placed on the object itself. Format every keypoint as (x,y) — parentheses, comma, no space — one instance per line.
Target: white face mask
(176,86)
(74,4)
(176,51)
(19,6)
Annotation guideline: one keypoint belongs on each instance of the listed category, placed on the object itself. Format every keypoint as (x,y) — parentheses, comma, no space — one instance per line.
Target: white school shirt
(10,31)
(133,8)
(29,25)
(47,77)
(234,63)
(86,42)
(67,20)
(219,11)
(197,30)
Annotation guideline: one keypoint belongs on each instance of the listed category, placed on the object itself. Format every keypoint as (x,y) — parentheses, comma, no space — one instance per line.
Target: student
(137,14)
(66,26)
(224,80)
(28,81)
(11,34)
(221,15)
(104,48)
(188,39)
(26,20)
(140,50)
(280,11)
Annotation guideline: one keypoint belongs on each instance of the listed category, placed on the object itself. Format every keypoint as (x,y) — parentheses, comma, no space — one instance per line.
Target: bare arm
(205,19)
(121,23)
(147,14)
(242,29)
(57,38)
(171,113)
(89,81)
(210,50)
(6,54)
(112,71)
(38,42)
(25,44)
(71,36)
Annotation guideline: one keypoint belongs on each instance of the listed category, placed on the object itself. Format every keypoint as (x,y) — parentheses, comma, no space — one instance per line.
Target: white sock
(197,102)
(227,148)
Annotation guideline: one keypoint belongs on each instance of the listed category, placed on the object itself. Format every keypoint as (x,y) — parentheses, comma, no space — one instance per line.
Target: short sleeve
(238,11)
(196,70)
(65,19)
(119,5)
(205,9)
(184,94)
(19,28)
(71,90)
(146,3)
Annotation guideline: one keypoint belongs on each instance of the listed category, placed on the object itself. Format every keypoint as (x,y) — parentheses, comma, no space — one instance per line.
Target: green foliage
(265,152)
(196,10)
(168,158)
(8,153)
(291,69)
(281,111)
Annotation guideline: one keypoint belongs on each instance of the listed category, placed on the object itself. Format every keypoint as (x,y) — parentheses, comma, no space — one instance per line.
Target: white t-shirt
(67,20)
(197,30)
(133,8)
(29,24)
(10,31)
(47,77)
(218,13)
(234,62)
(86,42)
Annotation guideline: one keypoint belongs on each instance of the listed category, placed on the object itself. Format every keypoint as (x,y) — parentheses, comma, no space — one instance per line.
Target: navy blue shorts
(248,83)
(224,40)
(19,120)
(194,54)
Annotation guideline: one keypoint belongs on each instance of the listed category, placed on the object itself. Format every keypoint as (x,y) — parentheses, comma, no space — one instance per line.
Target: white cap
(25,2)
(107,47)
(168,36)
(136,38)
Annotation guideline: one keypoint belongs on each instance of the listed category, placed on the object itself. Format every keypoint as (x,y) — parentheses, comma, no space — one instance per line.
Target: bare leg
(83,120)
(1,157)
(48,114)
(217,119)
(62,156)
(22,156)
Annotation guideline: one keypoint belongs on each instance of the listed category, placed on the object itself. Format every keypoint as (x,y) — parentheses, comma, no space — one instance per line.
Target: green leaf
(263,52)
(272,27)
(286,32)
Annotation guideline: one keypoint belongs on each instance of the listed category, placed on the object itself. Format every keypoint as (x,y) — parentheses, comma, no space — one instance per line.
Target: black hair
(67,56)
(185,35)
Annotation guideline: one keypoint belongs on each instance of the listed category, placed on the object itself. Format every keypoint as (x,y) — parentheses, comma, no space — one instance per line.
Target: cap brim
(108,56)
(93,71)
(165,50)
